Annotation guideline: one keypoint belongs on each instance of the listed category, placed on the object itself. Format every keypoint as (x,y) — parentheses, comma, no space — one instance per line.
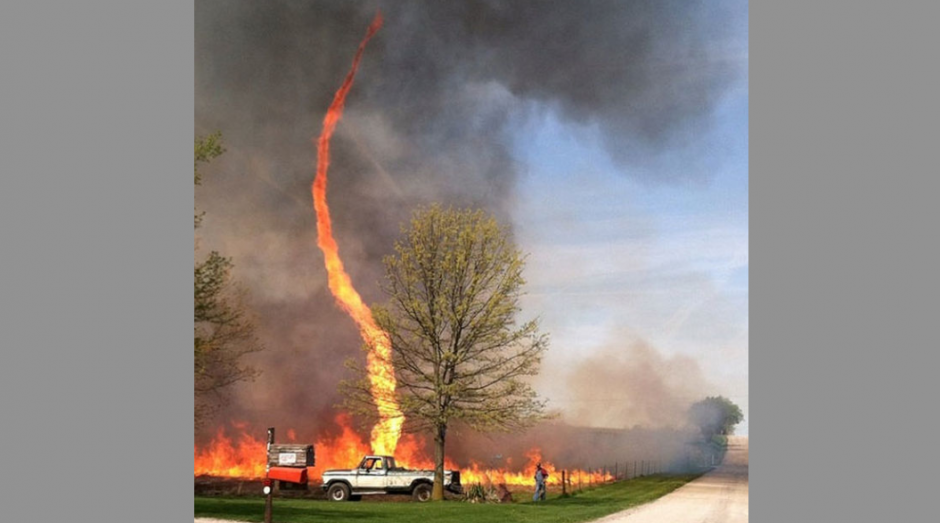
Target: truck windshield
(377,463)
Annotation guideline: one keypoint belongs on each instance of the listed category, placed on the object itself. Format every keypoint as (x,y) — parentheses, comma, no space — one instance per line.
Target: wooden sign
(291,455)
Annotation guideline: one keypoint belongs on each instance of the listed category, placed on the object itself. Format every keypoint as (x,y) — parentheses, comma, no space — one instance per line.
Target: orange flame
(476,473)
(386,432)
(222,457)
(243,456)
(247,458)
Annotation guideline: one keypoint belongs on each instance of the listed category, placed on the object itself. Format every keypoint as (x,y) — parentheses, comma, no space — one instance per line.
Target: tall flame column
(386,432)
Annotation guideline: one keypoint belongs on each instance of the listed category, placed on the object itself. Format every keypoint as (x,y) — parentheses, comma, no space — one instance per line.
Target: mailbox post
(268,487)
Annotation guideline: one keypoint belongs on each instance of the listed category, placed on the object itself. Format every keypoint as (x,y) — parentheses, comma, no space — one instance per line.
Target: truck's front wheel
(422,492)
(338,492)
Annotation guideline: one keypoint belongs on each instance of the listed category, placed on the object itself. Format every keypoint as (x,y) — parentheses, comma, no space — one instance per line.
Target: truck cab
(373,472)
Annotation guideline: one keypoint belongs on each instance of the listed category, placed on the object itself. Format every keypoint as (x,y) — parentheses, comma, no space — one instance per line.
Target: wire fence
(696,460)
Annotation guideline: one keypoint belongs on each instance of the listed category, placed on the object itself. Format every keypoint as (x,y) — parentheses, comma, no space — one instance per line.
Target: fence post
(616,472)
(563,490)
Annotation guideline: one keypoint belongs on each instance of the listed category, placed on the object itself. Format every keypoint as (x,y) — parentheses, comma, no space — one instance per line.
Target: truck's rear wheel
(338,492)
(422,492)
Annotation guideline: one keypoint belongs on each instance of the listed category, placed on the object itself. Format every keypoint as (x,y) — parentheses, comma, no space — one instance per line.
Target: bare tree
(454,285)
(223,331)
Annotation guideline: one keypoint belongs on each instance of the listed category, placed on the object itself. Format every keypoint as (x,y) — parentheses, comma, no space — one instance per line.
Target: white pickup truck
(379,475)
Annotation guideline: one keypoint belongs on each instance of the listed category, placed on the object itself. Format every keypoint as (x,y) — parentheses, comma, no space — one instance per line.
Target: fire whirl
(386,432)
(242,455)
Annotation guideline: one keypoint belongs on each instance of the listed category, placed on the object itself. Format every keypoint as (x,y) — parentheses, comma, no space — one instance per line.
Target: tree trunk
(437,493)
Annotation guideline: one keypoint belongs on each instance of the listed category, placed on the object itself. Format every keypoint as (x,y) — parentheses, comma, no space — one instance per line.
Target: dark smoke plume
(439,92)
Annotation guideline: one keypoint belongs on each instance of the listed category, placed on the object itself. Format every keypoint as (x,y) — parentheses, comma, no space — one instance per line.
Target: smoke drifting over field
(623,387)
(439,91)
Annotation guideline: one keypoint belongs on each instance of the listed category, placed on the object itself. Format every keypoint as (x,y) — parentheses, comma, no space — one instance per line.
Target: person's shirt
(539,476)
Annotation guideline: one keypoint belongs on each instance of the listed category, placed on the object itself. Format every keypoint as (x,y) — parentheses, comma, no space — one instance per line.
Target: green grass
(583,506)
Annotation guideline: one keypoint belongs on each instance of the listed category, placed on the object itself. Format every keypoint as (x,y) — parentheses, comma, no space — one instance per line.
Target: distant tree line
(715,415)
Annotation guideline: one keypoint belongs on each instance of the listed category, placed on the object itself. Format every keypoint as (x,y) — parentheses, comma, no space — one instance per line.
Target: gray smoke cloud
(634,385)
(430,118)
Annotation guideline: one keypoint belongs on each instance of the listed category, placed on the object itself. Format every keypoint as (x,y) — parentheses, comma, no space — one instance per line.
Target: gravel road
(717,497)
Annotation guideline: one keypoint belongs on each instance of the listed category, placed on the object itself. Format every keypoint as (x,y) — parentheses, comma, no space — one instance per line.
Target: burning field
(237,453)
(243,456)
(313,316)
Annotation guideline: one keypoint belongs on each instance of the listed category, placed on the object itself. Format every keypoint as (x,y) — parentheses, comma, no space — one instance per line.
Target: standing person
(544,483)
(541,475)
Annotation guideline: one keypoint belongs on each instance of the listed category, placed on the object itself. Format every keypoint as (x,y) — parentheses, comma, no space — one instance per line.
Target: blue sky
(615,255)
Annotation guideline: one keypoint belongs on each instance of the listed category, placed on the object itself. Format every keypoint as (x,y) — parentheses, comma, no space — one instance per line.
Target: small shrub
(479,494)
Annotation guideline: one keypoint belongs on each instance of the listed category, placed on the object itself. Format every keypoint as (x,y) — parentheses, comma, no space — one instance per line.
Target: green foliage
(454,285)
(586,506)
(715,416)
(720,441)
(223,332)
(206,148)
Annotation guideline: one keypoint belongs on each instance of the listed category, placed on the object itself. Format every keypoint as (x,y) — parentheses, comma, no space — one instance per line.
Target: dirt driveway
(717,497)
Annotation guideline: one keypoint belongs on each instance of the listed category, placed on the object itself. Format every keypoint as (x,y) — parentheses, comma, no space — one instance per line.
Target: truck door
(373,474)
(396,478)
